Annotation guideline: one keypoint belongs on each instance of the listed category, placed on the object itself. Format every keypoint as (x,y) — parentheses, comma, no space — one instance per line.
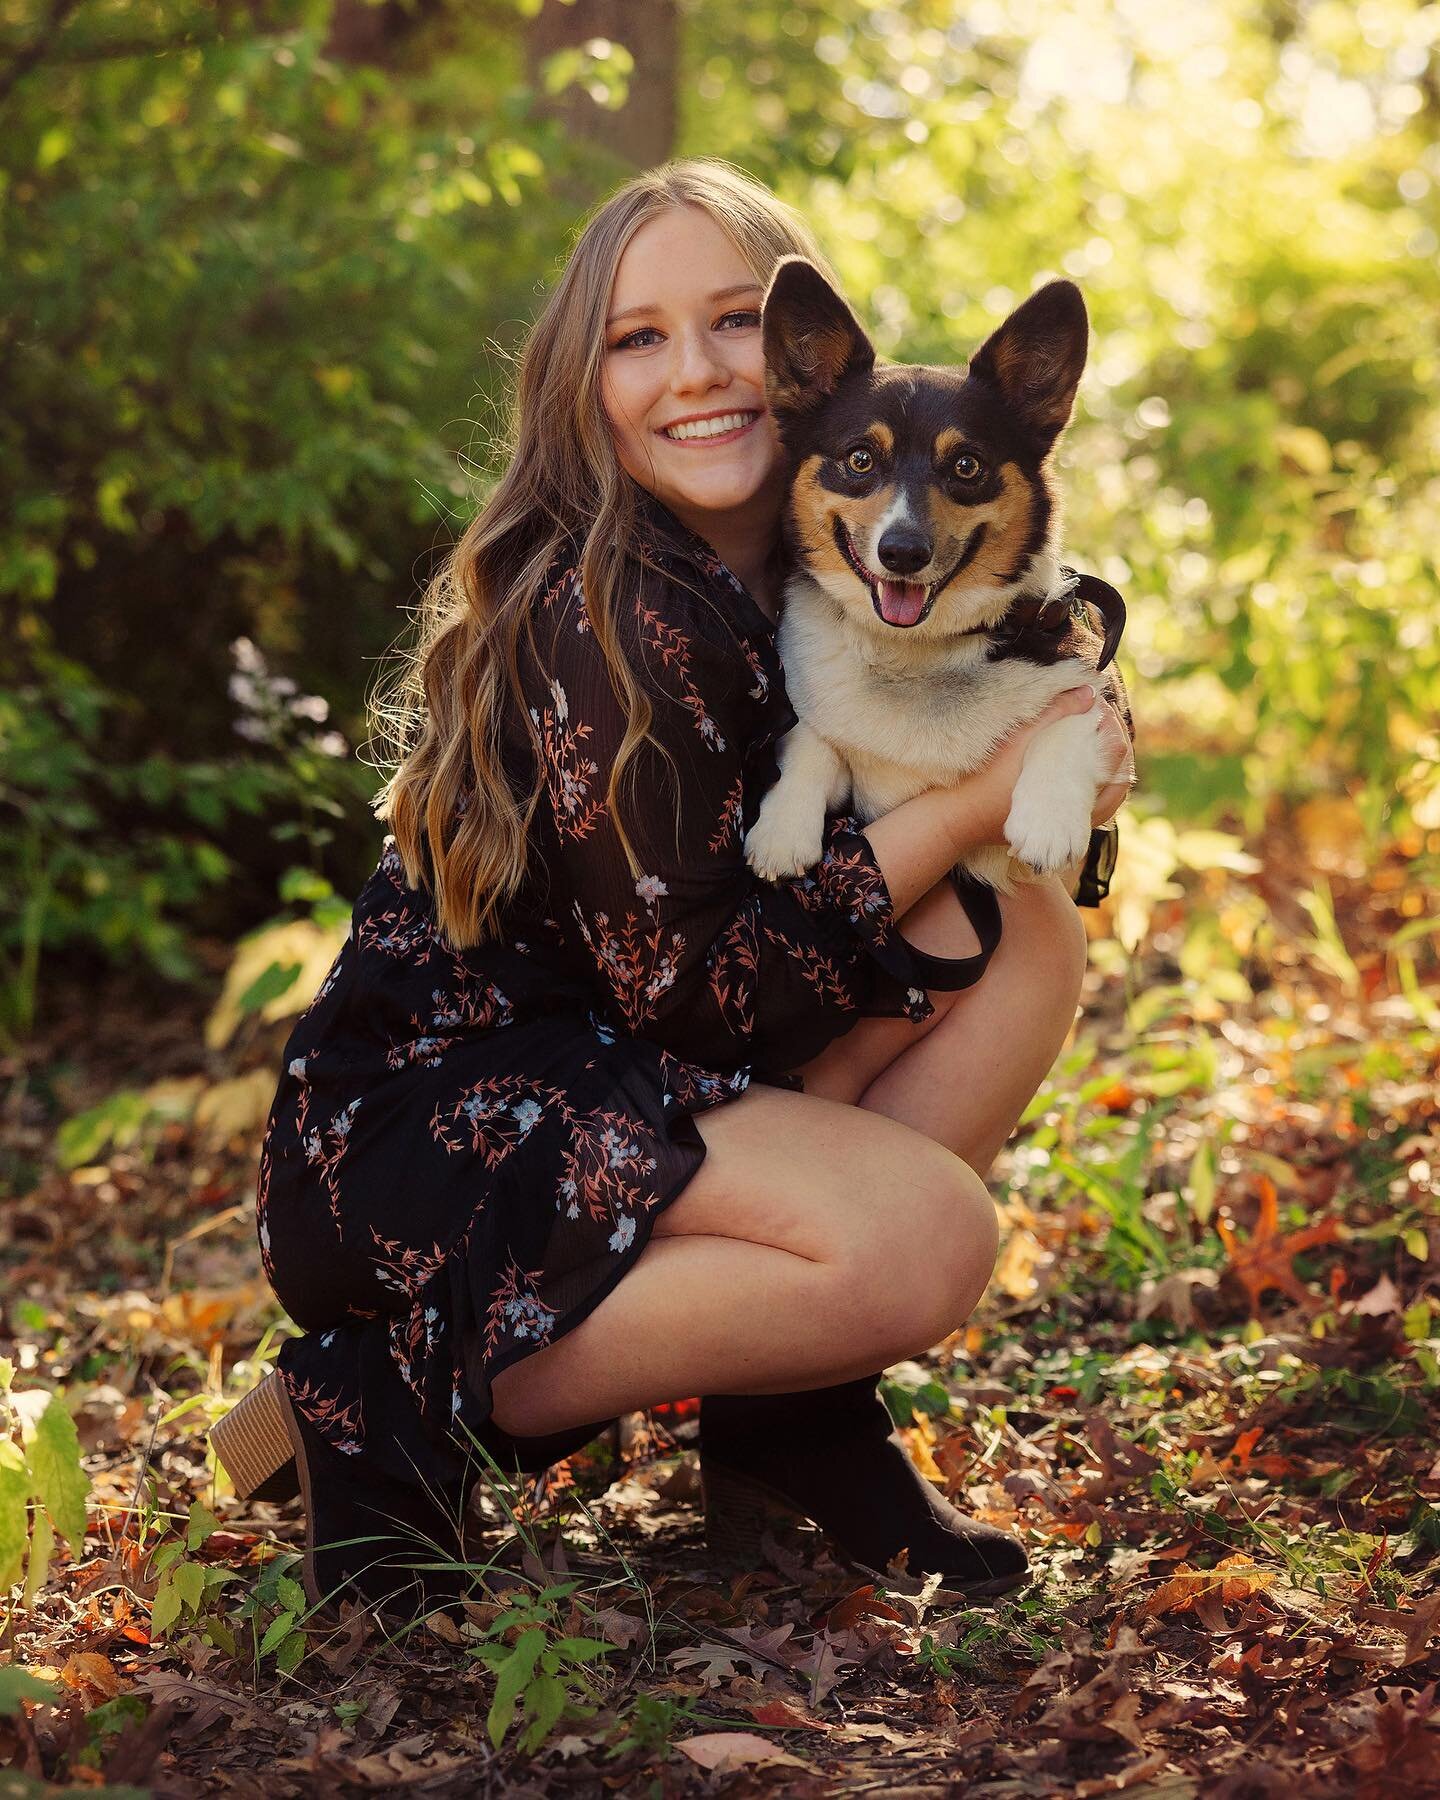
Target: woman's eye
(632,338)
(860,461)
(748,314)
(968,467)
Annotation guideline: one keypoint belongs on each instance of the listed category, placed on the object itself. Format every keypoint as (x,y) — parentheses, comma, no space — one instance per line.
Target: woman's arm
(917,842)
(696,952)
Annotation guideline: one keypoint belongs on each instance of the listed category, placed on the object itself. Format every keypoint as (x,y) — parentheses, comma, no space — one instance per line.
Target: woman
(585,1117)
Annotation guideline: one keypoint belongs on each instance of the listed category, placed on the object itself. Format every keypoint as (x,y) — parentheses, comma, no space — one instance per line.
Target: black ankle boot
(396,1548)
(832,1455)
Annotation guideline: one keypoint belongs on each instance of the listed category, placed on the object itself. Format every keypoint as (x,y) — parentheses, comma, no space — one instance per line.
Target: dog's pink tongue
(901,601)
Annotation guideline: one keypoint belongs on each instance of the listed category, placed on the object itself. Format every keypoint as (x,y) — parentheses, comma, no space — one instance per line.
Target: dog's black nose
(903,552)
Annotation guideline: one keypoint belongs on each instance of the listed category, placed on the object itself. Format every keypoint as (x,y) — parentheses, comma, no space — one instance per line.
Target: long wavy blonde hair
(441,716)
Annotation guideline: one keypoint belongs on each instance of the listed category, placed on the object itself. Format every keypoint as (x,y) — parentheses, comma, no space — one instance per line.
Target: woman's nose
(694,363)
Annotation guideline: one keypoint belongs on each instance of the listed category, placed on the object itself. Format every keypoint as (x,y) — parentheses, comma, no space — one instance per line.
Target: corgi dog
(926,614)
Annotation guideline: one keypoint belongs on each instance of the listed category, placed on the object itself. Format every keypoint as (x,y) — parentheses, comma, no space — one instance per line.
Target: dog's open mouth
(900,602)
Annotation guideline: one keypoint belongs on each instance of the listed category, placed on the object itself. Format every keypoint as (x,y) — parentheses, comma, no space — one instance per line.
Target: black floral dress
(466,1152)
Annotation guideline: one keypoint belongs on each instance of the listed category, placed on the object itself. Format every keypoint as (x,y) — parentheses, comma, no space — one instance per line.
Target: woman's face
(683,349)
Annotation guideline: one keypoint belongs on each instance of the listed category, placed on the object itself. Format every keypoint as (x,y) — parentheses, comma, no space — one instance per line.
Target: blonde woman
(586,1117)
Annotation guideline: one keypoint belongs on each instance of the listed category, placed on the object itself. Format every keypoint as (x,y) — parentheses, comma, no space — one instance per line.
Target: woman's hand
(1112,796)
(984,797)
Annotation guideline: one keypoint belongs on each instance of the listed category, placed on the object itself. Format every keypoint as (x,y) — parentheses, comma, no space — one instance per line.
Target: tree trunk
(641,132)
(360,33)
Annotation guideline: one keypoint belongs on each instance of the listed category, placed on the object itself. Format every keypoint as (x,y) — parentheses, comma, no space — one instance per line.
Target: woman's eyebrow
(725,293)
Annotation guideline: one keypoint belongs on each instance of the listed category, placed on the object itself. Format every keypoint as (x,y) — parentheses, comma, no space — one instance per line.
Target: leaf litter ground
(1204,1387)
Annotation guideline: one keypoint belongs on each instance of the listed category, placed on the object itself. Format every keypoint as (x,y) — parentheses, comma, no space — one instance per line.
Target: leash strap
(1094,883)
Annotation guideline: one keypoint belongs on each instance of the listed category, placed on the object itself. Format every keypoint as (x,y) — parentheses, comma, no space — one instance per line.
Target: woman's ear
(811,338)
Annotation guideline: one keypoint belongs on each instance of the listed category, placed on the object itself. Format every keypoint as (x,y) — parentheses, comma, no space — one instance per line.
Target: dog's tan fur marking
(863,517)
(948,446)
(815,507)
(882,435)
(812,507)
(1012,513)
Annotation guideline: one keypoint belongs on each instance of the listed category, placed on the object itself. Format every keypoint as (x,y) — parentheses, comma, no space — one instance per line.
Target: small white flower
(562,705)
(623,1236)
(650,888)
(297,1067)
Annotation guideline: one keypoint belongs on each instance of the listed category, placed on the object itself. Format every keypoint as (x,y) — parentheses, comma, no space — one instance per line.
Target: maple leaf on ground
(1263,1261)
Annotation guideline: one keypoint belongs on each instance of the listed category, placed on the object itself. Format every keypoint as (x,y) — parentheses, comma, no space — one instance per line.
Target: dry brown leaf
(724,1750)
(1235,1577)
(88,1669)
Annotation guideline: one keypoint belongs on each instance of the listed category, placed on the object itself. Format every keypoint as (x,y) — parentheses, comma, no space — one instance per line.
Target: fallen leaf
(863,1600)
(88,1669)
(1263,1261)
(723,1750)
(1233,1578)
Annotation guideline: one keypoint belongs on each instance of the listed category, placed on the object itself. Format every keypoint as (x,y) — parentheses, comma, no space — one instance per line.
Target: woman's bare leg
(797,1221)
(967,1083)
(789,1261)
(964,1077)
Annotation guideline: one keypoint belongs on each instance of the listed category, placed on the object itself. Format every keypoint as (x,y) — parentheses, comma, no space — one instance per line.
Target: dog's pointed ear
(1036,358)
(811,338)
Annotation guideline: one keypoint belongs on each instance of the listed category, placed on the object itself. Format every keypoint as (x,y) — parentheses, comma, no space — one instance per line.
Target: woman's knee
(922,1267)
(1043,923)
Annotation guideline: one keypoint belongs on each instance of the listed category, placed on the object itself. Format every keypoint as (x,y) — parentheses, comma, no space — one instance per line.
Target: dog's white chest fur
(882,719)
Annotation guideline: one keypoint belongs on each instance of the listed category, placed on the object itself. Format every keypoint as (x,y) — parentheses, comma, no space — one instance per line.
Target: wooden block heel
(252,1443)
(738,1510)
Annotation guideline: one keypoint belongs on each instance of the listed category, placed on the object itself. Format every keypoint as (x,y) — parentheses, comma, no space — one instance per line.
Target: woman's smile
(709,429)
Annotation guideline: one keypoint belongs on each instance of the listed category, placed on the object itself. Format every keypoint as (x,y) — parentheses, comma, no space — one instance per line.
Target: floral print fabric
(467,1151)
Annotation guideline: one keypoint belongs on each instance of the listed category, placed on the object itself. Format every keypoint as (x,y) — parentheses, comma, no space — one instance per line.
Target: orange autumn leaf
(1234,1577)
(1232,1660)
(89,1669)
(1263,1261)
(1244,1445)
(919,1440)
(863,1600)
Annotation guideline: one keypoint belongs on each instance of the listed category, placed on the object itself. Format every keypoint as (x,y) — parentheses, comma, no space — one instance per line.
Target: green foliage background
(257,307)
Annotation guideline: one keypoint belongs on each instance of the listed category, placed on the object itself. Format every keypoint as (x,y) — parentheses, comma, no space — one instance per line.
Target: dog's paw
(783,842)
(1046,838)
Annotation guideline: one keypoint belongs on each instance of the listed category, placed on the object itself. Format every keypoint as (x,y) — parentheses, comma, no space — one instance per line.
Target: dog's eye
(968,467)
(860,461)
